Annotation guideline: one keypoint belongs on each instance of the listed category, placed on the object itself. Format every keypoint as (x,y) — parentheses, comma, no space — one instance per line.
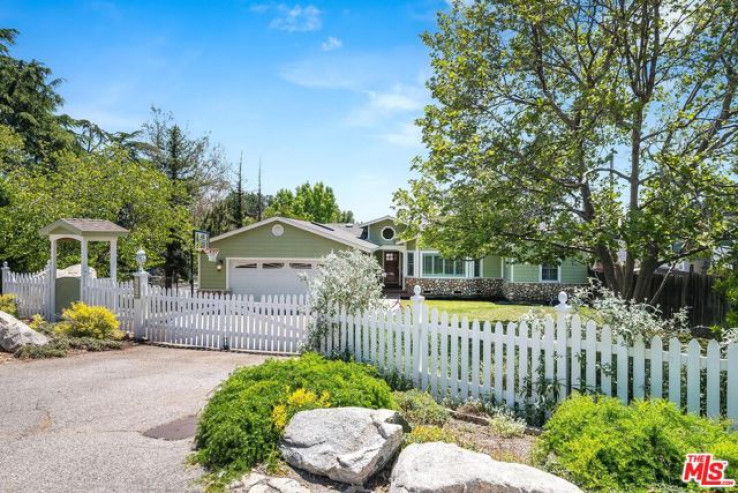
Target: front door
(391,268)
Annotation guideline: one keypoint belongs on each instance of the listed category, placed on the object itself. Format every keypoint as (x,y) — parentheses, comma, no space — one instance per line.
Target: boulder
(258,483)
(346,444)
(444,468)
(14,334)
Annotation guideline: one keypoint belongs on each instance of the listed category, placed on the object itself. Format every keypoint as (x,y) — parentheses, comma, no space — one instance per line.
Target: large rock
(14,334)
(258,483)
(347,444)
(445,468)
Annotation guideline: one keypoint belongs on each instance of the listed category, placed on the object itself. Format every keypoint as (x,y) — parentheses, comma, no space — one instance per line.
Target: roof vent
(349,225)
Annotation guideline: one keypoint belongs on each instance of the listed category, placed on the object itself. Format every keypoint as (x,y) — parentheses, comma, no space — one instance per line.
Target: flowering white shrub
(625,318)
(348,279)
(730,335)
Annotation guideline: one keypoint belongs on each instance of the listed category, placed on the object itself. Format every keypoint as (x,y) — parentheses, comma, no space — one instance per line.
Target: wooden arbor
(83,230)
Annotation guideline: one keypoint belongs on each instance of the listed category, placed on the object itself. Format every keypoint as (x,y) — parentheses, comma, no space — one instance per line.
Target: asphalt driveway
(80,424)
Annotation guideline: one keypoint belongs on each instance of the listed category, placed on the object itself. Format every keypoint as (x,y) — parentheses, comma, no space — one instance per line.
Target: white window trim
(394,233)
(436,252)
(540,275)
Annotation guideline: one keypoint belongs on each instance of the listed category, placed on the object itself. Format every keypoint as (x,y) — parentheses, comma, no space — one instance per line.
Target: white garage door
(258,277)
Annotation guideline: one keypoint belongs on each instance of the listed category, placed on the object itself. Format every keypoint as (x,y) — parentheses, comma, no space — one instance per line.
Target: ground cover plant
(241,425)
(8,304)
(603,445)
(64,339)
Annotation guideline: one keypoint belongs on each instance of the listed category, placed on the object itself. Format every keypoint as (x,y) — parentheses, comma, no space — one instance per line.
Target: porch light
(141,259)
(219,266)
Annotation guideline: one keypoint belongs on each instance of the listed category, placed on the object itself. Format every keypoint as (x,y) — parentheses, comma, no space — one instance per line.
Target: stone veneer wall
(455,287)
(535,291)
(485,287)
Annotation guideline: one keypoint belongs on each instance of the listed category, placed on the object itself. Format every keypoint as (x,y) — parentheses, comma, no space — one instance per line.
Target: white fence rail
(519,363)
(30,289)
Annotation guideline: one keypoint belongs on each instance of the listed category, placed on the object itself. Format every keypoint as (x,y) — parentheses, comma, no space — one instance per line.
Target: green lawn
(482,310)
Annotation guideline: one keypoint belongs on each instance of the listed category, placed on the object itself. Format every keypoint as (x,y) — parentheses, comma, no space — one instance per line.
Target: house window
(410,264)
(388,233)
(391,256)
(435,265)
(549,273)
(478,268)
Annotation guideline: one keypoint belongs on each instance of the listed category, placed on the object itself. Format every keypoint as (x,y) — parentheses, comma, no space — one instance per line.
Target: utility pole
(238,206)
(259,210)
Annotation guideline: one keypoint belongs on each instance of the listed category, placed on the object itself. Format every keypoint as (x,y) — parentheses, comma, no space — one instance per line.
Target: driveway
(77,424)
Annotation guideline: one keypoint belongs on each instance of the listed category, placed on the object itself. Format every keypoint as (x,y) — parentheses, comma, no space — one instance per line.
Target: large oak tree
(603,129)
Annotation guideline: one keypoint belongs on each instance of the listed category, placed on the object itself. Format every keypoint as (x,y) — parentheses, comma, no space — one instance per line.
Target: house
(265,258)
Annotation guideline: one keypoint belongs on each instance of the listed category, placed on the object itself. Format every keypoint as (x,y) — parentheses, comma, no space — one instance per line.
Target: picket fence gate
(224,321)
(522,363)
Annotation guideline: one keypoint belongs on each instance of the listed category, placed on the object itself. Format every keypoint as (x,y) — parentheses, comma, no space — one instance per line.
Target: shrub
(420,408)
(426,434)
(97,322)
(241,424)
(347,279)
(8,304)
(602,444)
(59,345)
(504,423)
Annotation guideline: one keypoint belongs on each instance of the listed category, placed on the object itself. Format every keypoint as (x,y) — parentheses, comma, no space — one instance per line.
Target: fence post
(4,278)
(418,316)
(561,346)
(140,291)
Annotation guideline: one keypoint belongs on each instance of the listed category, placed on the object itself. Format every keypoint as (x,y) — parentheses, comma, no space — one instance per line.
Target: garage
(258,277)
(267,258)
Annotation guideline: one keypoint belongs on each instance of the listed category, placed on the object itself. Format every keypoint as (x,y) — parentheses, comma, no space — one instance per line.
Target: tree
(28,104)
(532,101)
(196,172)
(308,202)
(104,184)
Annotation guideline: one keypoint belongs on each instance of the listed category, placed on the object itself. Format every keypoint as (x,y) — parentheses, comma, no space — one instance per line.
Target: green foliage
(419,408)
(96,322)
(531,101)
(239,427)
(426,434)
(504,423)
(602,444)
(308,202)
(59,346)
(8,304)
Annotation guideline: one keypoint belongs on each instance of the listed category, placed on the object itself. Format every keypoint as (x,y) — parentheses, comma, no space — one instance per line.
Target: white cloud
(384,104)
(297,19)
(330,44)
(406,134)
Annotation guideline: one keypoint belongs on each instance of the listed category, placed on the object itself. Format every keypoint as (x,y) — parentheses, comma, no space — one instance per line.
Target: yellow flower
(279,416)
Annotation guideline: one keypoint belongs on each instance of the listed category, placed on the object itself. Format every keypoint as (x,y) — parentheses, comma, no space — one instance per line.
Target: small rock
(445,468)
(258,483)
(14,334)
(346,444)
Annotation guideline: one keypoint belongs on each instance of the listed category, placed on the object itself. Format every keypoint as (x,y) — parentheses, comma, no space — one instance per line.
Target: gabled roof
(82,226)
(327,231)
(379,220)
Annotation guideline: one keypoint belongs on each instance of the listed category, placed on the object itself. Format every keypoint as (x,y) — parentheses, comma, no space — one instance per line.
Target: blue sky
(321,91)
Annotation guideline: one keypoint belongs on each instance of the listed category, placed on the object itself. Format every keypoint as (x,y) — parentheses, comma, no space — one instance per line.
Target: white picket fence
(31,291)
(218,321)
(117,297)
(518,364)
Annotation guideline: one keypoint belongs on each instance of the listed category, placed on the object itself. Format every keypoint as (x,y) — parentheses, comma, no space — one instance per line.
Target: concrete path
(77,424)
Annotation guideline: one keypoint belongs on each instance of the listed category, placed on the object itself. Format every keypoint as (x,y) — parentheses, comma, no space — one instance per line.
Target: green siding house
(267,258)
